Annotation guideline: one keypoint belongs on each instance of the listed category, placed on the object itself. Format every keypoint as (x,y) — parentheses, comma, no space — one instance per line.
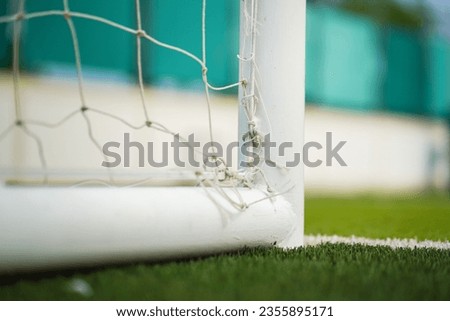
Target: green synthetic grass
(424,218)
(326,272)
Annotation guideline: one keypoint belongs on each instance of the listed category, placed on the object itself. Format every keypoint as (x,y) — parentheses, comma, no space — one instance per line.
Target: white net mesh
(55,130)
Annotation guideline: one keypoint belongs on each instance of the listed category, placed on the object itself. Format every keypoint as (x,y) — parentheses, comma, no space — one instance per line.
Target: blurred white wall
(384,152)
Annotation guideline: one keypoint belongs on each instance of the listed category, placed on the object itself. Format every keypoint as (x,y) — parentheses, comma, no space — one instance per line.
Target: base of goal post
(45,228)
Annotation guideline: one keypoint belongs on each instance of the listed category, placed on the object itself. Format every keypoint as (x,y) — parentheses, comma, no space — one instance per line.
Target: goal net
(97,171)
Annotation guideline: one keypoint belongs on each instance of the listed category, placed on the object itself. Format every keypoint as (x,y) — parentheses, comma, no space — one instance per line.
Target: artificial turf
(423,218)
(325,272)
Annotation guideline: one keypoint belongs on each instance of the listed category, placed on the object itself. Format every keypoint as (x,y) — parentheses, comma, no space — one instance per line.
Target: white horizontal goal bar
(58,227)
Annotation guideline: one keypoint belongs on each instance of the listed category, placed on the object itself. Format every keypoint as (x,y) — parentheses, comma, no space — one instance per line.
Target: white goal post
(48,227)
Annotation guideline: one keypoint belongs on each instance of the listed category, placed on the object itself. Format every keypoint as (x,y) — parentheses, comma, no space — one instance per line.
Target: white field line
(312,240)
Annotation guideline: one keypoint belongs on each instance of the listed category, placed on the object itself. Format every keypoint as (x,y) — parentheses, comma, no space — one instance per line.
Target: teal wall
(47,43)
(405,72)
(342,63)
(315,74)
(351,62)
(179,23)
(438,76)
(5,49)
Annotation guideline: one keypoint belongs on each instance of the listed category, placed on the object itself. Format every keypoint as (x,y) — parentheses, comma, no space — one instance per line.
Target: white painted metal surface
(276,62)
(55,227)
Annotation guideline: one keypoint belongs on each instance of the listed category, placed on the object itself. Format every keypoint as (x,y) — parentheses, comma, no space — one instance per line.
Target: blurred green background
(363,55)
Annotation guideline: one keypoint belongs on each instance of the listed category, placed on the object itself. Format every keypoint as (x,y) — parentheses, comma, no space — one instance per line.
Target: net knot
(244,206)
(148,123)
(141,33)
(19,122)
(200,177)
(253,132)
(245,59)
(67,14)
(84,109)
(20,16)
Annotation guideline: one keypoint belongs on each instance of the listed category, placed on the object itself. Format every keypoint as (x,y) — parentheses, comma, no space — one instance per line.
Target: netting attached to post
(218,176)
(71,196)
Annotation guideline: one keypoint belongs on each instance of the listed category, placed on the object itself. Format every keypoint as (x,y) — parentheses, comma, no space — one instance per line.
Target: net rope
(222,179)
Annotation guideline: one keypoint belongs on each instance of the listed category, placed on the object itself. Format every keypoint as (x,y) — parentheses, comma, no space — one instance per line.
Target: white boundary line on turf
(312,240)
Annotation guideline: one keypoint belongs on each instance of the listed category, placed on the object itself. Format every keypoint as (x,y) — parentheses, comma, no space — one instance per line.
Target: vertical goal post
(273,66)
(49,226)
